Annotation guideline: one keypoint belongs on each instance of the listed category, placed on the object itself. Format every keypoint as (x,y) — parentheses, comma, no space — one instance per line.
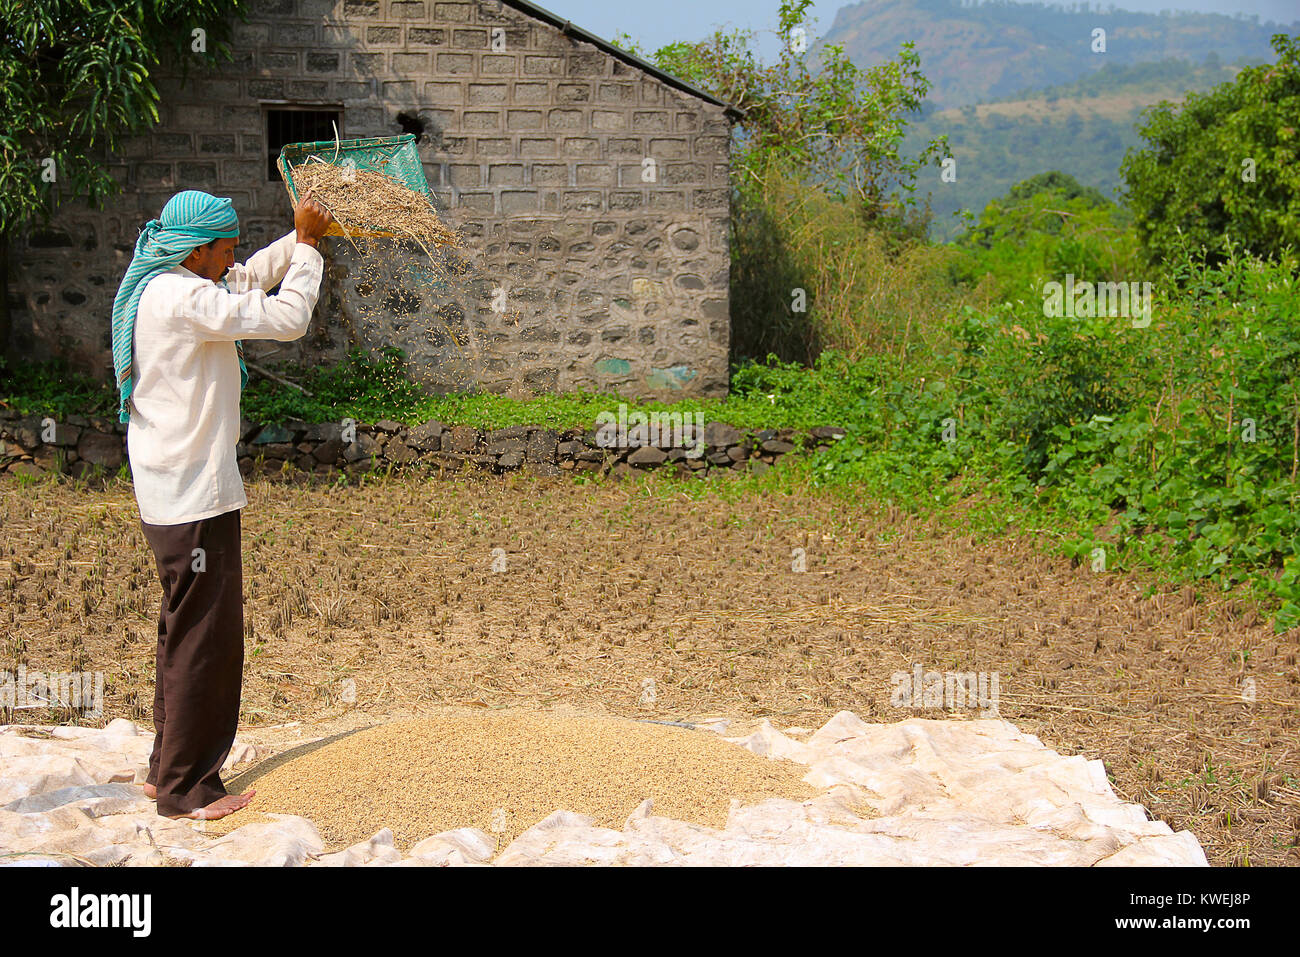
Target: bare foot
(219,808)
(151,792)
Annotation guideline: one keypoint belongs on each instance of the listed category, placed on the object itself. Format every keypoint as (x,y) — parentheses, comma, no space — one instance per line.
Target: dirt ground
(641,600)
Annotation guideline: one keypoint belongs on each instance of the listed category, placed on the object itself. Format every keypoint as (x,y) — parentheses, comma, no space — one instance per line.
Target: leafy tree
(76,77)
(824,215)
(814,115)
(1225,168)
(1050,225)
(1054,181)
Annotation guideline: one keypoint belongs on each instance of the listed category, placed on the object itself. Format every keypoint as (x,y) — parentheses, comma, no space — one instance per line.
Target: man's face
(212,261)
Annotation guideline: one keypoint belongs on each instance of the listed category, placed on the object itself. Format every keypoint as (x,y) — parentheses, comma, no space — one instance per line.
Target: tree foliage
(1223,169)
(813,113)
(76,76)
(1045,227)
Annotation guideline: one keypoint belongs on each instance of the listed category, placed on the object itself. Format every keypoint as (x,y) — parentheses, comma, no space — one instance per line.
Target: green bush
(362,386)
(52,388)
(1046,227)
(1176,445)
(1224,167)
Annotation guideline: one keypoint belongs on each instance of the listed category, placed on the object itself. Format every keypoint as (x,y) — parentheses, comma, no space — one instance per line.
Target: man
(177,326)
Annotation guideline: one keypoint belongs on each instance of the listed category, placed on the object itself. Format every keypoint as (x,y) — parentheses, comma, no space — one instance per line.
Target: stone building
(591,189)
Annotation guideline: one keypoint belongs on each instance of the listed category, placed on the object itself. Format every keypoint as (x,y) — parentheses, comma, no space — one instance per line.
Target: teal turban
(190,219)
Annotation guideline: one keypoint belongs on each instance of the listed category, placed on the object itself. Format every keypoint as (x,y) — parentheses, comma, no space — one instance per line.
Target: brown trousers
(200,658)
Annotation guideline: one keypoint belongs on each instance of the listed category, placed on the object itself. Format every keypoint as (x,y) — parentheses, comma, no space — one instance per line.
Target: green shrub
(52,388)
(1224,167)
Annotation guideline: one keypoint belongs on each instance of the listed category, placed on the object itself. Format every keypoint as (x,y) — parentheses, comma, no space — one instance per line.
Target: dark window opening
(412,124)
(297,126)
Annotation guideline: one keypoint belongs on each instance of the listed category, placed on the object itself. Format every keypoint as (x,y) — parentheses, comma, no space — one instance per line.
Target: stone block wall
(536,145)
(85,447)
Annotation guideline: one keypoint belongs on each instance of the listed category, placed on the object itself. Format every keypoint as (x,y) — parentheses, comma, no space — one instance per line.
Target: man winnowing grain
(178,319)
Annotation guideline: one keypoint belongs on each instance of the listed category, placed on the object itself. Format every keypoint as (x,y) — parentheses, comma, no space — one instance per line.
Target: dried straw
(368,201)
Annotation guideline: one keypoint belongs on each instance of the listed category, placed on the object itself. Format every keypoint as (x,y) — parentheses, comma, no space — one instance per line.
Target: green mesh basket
(394,156)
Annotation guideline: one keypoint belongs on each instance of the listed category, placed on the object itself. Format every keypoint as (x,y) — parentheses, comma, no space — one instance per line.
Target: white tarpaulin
(918,792)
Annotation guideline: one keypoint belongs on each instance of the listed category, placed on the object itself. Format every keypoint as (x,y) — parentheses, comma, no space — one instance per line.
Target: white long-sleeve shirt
(184,408)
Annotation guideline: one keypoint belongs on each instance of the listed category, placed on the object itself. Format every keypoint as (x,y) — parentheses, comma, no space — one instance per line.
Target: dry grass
(369,202)
(390,586)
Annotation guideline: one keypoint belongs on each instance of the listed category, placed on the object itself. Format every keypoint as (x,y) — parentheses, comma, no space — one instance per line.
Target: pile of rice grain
(422,776)
(368,201)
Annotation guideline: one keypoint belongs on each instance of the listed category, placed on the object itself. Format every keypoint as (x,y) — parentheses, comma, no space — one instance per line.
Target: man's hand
(311,219)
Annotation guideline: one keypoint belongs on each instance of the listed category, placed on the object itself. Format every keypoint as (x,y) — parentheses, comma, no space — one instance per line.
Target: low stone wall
(78,445)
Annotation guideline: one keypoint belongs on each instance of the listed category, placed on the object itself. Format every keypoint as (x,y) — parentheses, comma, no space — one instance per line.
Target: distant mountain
(1018,90)
(994,50)
(1083,129)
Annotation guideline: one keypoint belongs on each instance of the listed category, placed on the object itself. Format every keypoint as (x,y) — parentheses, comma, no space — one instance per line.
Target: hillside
(998,149)
(1082,128)
(976,53)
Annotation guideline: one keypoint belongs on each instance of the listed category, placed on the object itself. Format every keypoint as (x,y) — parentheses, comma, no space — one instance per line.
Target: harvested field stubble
(463,767)
(390,586)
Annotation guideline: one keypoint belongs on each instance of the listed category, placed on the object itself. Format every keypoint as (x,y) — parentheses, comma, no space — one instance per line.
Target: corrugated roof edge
(541,13)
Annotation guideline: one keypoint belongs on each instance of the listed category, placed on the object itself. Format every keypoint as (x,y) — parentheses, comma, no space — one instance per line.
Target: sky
(655,23)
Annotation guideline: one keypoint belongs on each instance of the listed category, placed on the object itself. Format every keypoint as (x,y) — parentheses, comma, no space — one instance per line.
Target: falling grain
(367,201)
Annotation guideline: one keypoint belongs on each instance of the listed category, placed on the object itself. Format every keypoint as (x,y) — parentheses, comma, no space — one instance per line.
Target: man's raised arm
(268,266)
(221,314)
